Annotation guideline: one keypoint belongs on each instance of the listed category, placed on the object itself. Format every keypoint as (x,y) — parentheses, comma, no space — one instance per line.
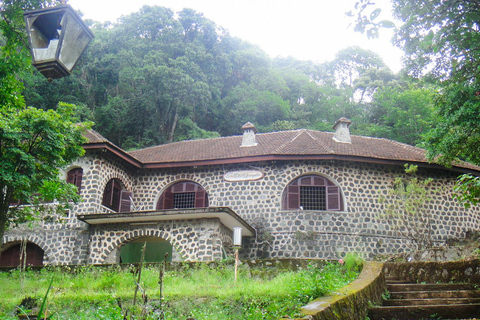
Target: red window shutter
(200,198)
(116,196)
(333,198)
(107,194)
(179,187)
(189,187)
(74,176)
(293,197)
(168,203)
(71,177)
(318,181)
(160,202)
(125,202)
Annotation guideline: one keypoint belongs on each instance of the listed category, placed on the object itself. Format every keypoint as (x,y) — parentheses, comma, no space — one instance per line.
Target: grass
(202,292)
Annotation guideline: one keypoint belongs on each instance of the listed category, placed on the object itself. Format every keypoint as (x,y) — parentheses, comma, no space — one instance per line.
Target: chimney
(342,133)
(249,132)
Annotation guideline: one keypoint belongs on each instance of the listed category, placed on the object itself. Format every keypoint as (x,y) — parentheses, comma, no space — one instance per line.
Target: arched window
(74,176)
(115,197)
(312,193)
(183,195)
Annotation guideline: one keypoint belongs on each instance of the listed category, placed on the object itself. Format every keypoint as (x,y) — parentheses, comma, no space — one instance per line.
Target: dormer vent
(249,132)
(342,132)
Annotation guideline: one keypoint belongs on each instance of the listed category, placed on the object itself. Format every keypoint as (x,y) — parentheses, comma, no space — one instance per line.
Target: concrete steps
(428,301)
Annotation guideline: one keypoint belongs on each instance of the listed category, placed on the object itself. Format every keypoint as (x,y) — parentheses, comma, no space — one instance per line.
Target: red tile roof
(284,145)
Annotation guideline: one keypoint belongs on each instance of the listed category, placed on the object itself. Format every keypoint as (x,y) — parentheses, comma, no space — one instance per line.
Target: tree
(406,208)
(402,113)
(34,143)
(441,40)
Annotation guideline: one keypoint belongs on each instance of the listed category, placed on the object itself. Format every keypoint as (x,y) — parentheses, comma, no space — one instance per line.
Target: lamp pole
(237,244)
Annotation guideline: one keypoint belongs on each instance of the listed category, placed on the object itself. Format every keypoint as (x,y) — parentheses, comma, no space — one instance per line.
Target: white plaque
(244,175)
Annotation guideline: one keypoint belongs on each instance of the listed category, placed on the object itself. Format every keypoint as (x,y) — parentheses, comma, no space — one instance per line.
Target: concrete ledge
(352,301)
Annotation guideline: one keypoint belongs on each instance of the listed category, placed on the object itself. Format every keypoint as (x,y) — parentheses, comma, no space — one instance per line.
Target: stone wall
(193,240)
(280,233)
(316,234)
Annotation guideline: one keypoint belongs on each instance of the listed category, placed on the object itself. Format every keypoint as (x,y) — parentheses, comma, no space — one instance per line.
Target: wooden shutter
(74,177)
(107,194)
(333,198)
(168,199)
(200,197)
(125,202)
(293,197)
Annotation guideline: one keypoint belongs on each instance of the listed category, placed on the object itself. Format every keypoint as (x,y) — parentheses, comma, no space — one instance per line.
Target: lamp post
(237,244)
(57,38)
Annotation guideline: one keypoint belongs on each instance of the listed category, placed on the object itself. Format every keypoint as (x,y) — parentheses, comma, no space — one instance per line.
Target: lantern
(237,237)
(57,38)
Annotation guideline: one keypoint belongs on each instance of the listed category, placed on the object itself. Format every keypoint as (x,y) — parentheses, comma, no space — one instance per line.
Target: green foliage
(158,76)
(457,136)
(34,145)
(406,208)
(402,114)
(467,190)
(200,292)
(365,19)
(353,262)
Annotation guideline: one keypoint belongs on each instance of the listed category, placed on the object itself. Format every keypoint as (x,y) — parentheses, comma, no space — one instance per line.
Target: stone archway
(156,250)
(10,240)
(194,240)
(18,253)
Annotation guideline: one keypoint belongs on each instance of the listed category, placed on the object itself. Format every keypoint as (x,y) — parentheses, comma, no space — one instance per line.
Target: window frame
(75,176)
(166,200)
(116,197)
(292,194)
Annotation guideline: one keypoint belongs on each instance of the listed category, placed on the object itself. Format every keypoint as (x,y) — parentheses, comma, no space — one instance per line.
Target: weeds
(202,292)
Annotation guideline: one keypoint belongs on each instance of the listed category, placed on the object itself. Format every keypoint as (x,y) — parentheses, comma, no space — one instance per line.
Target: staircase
(428,301)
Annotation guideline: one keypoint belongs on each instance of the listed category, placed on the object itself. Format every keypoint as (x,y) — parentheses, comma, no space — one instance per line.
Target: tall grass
(201,293)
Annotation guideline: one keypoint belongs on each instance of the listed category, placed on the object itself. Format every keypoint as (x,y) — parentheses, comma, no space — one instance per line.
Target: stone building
(294,194)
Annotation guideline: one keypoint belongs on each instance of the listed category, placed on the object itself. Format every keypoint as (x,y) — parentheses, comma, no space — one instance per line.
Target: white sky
(304,29)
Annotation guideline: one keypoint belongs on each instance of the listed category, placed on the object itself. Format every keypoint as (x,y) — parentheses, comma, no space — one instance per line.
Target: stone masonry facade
(279,233)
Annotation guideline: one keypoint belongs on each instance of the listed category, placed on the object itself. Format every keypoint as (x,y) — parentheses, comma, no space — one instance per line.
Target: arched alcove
(13,255)
(155,251)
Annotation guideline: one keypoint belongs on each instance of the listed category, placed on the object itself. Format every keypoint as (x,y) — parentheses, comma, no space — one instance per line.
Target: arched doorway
(13,257)
(155,250)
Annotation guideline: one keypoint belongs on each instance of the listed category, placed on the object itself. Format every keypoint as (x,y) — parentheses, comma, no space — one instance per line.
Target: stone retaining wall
(350,302)
(434,272)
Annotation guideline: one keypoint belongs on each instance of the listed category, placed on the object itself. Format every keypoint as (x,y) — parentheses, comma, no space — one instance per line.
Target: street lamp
(57,38)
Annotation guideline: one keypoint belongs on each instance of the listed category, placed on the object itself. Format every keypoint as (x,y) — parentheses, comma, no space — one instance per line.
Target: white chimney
(342,132)
(249,132)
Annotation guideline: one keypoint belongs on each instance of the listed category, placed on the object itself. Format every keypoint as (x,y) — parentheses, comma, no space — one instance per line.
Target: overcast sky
(304,29)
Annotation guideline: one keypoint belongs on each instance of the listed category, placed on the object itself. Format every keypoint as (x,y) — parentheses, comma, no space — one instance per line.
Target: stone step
(429,287)
(457,311)
(395,281)
(430,302)
(435,294)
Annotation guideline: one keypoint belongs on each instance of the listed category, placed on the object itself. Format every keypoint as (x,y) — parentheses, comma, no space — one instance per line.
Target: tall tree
(441,39)
(34,143)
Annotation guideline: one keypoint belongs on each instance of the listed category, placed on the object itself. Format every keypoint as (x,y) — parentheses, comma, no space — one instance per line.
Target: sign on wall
(244,175)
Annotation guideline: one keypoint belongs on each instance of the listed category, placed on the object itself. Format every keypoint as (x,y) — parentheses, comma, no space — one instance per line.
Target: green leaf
(375,13)
(386,24)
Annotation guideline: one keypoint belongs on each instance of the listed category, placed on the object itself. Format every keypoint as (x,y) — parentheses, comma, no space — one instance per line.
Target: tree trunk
(174,125)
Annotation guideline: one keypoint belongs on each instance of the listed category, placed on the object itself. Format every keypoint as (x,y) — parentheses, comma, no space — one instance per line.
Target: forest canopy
(158,76)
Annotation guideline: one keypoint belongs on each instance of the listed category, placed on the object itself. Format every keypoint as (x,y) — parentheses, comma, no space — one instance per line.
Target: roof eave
(400,162)
(115,150)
